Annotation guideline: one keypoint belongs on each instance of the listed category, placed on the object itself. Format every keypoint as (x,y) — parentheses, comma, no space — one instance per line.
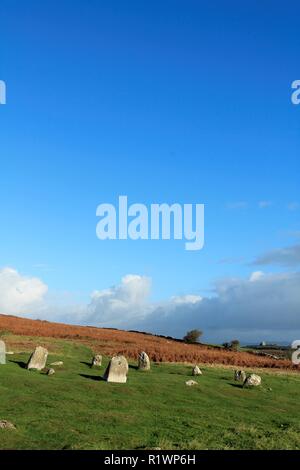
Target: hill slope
(111,341)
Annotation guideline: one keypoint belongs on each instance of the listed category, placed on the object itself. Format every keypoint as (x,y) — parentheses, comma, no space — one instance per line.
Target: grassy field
(75,409)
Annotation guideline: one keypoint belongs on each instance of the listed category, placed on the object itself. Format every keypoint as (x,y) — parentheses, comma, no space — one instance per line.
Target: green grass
(74,409)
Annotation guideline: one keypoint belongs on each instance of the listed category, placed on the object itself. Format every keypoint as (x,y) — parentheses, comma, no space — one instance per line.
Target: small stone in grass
(252,380)
(97,361)
(190,383)
(6,424)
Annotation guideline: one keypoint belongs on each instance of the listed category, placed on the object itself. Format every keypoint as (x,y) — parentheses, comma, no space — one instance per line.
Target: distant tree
(235,344)
(193,336)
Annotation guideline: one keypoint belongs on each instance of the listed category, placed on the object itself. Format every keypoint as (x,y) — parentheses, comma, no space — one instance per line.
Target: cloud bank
(262,307)
(287,257)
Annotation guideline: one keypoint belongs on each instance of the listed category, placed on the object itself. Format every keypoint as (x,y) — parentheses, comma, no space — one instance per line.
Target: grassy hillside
(75,409)
(109,342)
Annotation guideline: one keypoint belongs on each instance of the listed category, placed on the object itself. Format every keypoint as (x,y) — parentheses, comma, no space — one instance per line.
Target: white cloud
(20,294)
(186,299)
(237,205)
(264,204)
(287,256)
(294,233)
(119,303)
(231,260)
(293,206)
(256,276)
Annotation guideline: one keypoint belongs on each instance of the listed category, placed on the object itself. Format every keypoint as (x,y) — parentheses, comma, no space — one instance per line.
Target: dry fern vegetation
(111,341)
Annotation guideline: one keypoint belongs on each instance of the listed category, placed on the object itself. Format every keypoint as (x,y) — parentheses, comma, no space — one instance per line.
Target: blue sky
(164,101)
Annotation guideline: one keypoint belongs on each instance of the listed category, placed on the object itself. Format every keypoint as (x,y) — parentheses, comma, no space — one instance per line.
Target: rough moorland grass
(74,409)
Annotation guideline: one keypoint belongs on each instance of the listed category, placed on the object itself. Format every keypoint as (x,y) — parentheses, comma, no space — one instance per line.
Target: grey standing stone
(38,359)
(144,361)
(97,360)
(240,375)
(117,370)
(2,353)
(196,371)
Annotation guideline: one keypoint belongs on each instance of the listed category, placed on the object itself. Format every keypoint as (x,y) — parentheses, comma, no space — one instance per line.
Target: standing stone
(117,370)
(252,380)
(240,375)
(144,361)
(196,371)
(2,353)
(97,360)
(38,359)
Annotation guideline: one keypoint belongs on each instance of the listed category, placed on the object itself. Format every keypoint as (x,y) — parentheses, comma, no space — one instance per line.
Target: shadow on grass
(20,364)
(133,367)
(182,373)
(86,364)
(93,377)
(236,385)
